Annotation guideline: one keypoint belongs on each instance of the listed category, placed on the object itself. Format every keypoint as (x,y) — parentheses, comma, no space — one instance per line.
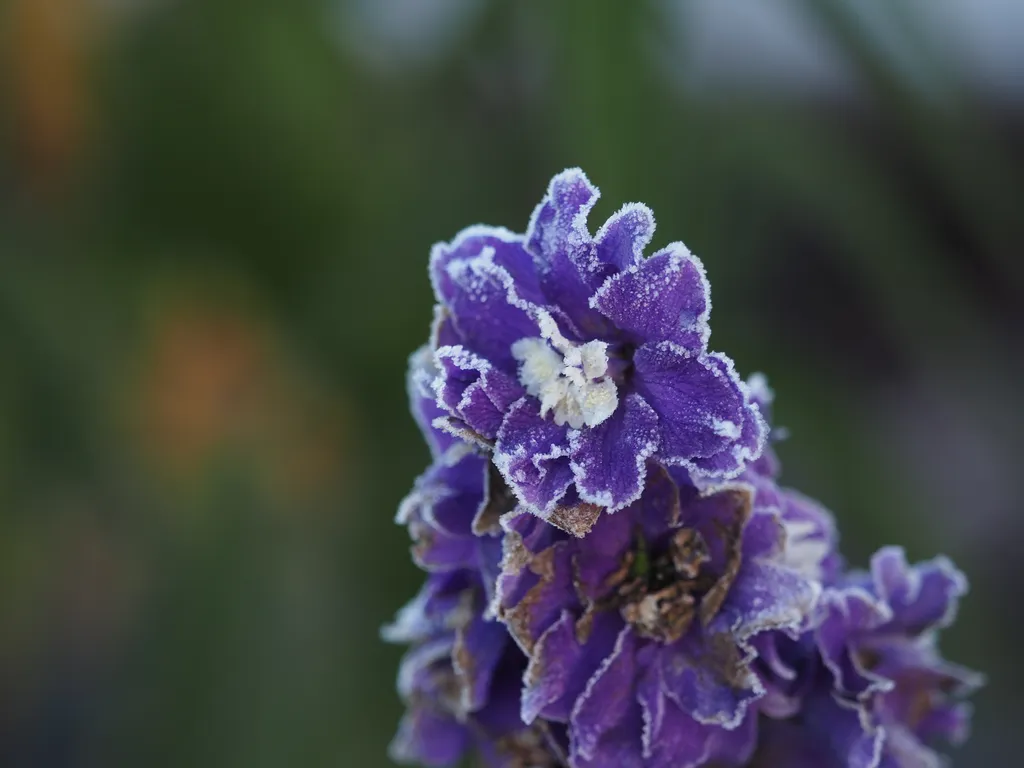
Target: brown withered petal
(518,618)
(726,661)
(688,551)
(515,555)
(664,615)
(577,520)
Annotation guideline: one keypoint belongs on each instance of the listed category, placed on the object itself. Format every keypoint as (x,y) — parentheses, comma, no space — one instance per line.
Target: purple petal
(551,667)
(489,554)
(441,597)
(435,551)
(622,239)
(564,253)
(609,461)
(418,670)
(671,738)
(700,406)
(561,218)
(528,614)
(479,646)
(664,298)
(423,401)
(706,675)
(765,596)
(902,749)
(429,738)
(721,514)
(608,705)
(454,494)
(841,726)
(811,531)
(501,714)
(487,307)
(660,508)
(440,512)
(843,616)
(923,597)
(473,390)
(602,556)
(561,665)
(753,430)
(619,747)
(764,535)
(951,723)
(532,454)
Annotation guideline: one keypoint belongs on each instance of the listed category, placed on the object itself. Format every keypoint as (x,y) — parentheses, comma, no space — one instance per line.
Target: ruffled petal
(701,409)
(563,662)
(707,675)
(609,461)
(423,402)
(532,453)
(441,509)
(479,647)
(665,298)
(765,596)
(923,597)
(564,252)
(531,601)
(606,722)
(844,615)
(474,392)
(671,738)
(487,307)
(621,241)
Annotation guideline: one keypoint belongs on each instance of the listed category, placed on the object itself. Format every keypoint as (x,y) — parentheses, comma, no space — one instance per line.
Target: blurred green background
(215,217)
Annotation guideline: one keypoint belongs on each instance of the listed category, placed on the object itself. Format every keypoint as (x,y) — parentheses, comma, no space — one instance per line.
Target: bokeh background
(215,217)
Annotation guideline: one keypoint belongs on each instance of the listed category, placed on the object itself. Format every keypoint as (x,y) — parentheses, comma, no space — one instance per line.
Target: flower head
(579,361)
(615,576)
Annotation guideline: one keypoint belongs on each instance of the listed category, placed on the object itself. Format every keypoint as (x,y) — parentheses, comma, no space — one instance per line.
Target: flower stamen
(570,380)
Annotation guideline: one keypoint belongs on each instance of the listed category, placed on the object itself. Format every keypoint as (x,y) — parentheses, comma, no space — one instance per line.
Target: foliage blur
(215,217)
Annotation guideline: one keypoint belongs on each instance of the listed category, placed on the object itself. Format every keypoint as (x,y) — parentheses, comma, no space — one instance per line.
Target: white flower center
(804,550)
(569,379)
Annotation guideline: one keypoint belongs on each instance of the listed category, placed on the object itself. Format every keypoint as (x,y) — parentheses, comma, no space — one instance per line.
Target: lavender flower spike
(578,360)
(711,621)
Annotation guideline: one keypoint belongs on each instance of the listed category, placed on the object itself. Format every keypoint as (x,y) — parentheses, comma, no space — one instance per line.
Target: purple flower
(579,361)
(868,683)
(641,635)
(711,621)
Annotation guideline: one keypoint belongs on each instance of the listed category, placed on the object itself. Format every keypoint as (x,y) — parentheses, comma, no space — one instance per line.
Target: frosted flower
(641,635)
(867,688)
(710,622)
(578,360)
